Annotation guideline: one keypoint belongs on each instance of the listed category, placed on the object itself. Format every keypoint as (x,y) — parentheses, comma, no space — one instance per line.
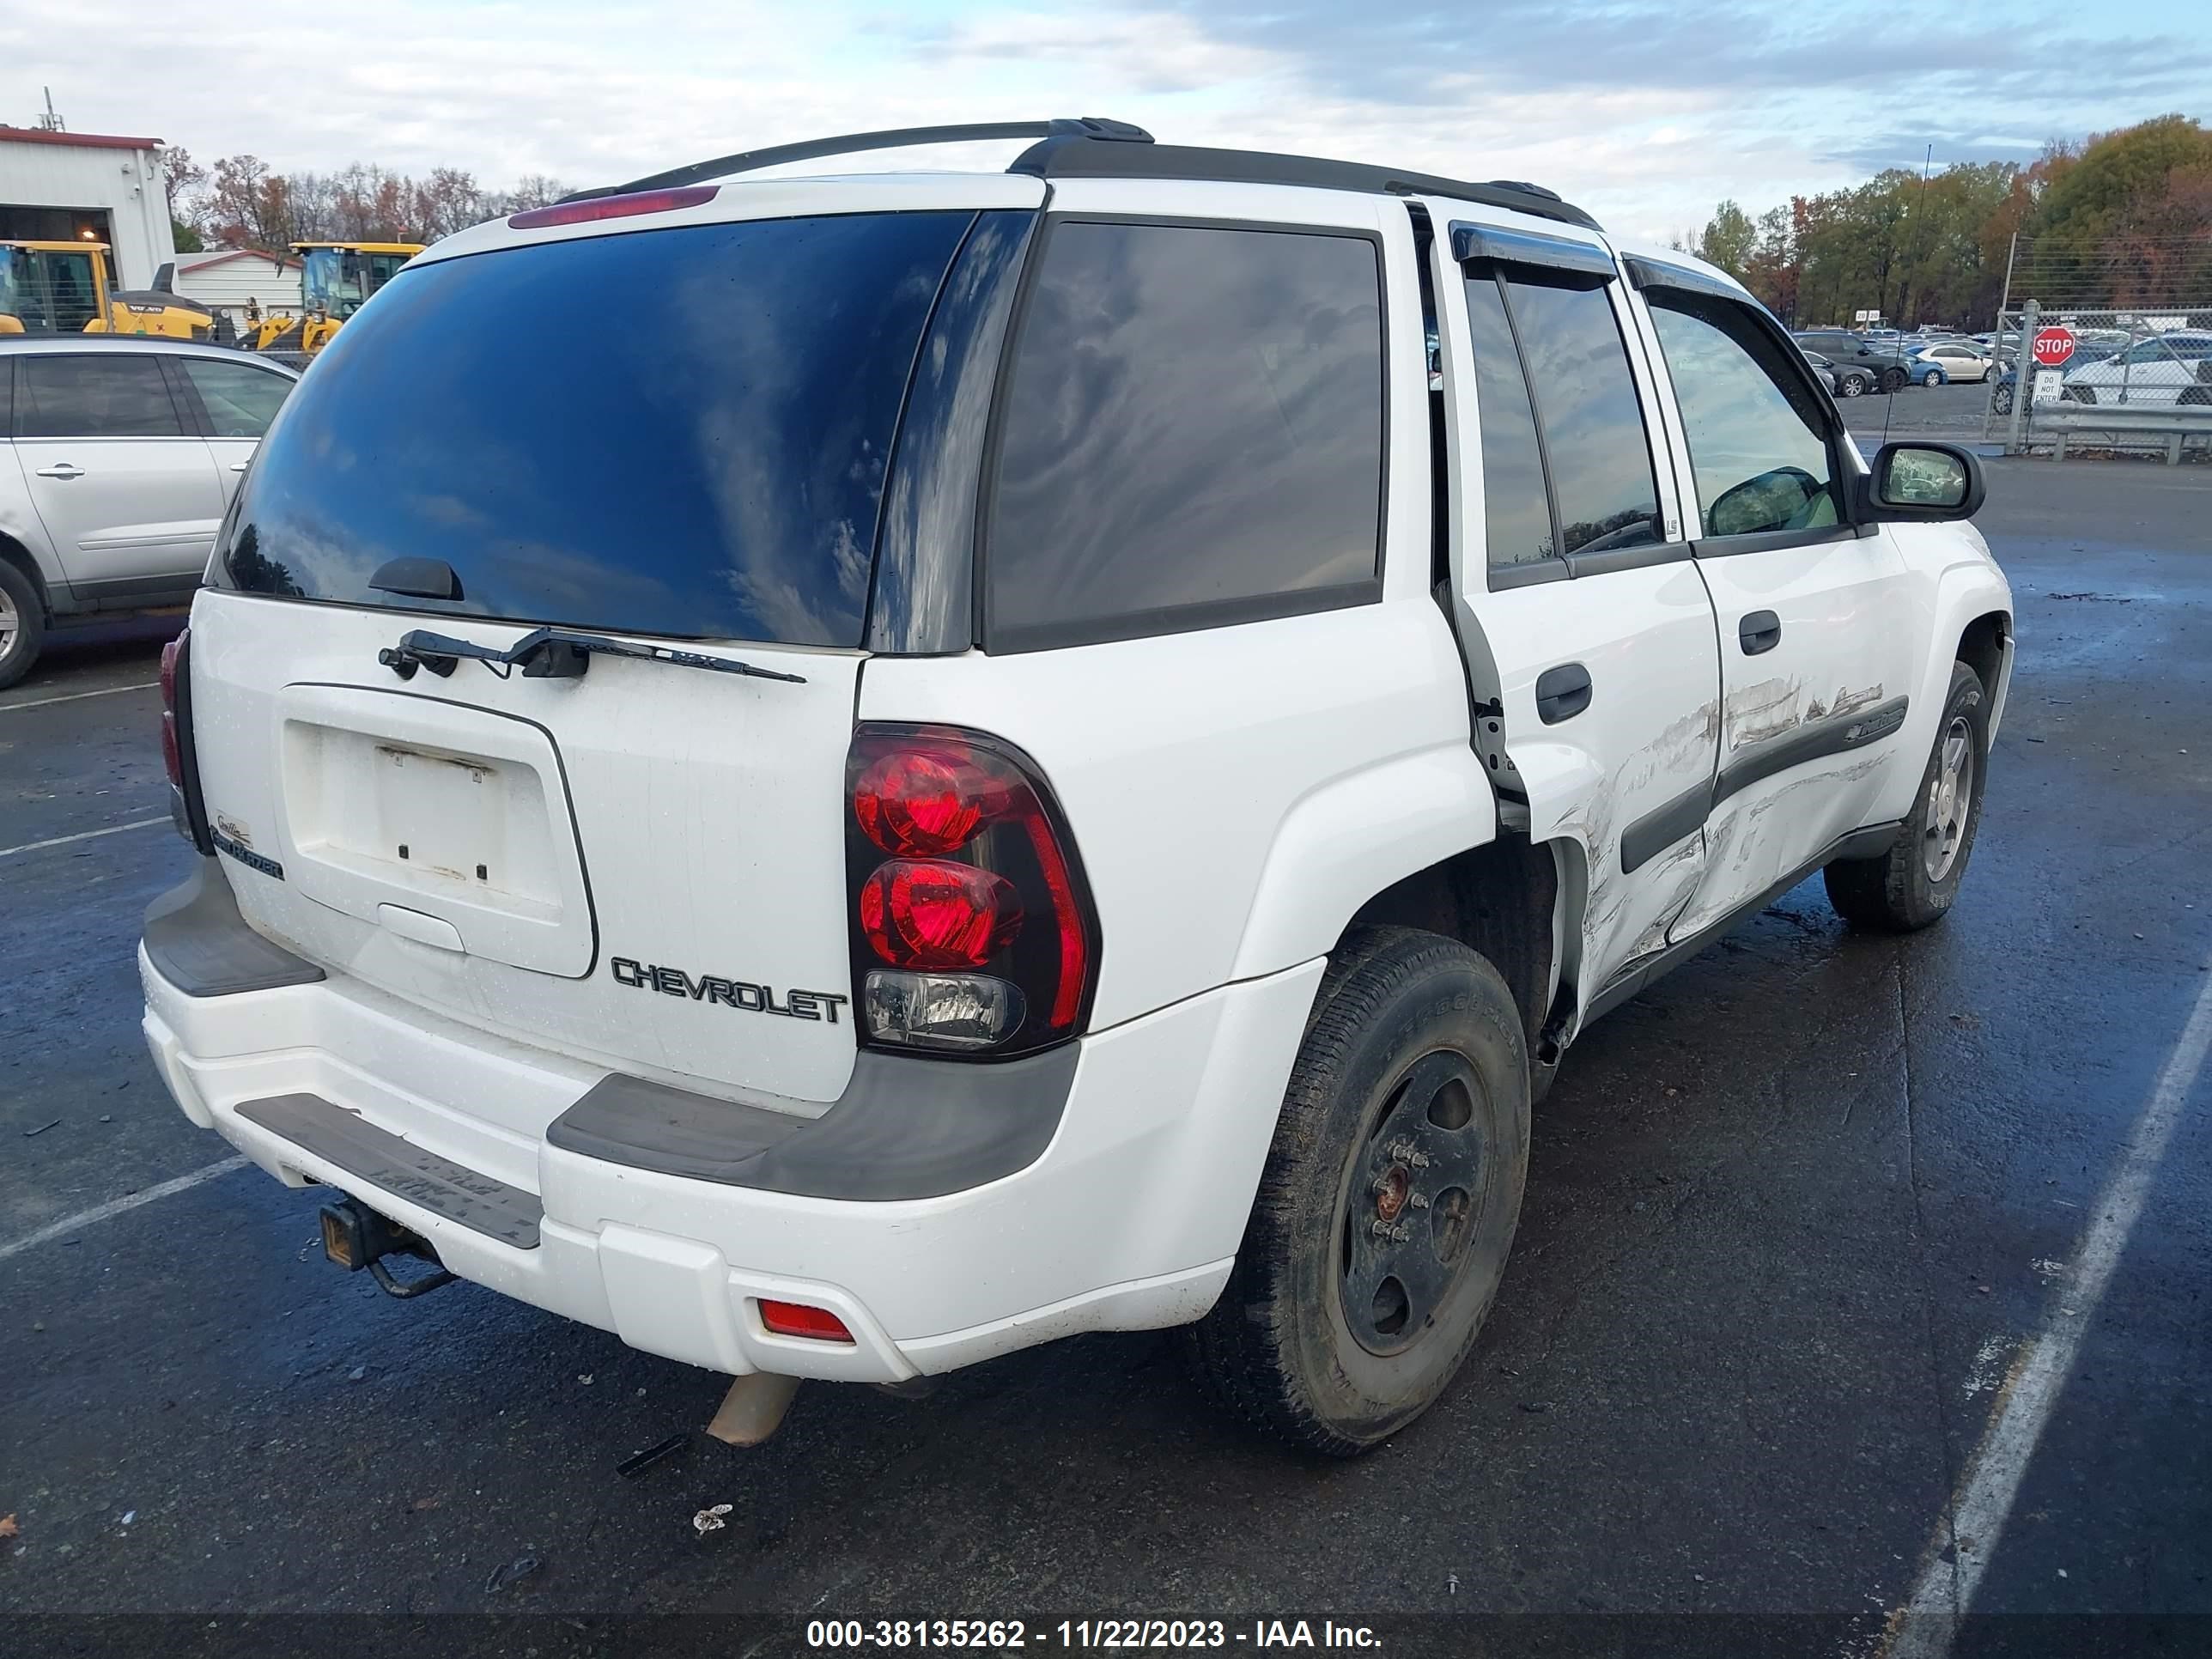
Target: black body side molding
(1657,830)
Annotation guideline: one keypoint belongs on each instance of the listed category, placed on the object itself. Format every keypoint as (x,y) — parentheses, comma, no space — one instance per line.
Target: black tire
(2001,400)
(1894,380)
(1414,1052)
(1898,891)
(21,649)
(1932,379)
(1853,385)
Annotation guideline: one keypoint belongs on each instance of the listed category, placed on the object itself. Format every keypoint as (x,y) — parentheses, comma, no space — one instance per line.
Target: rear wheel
(2001,399)
(1853,385)
(1915,883)
(1389,1202)
(22,624)
(1934,377)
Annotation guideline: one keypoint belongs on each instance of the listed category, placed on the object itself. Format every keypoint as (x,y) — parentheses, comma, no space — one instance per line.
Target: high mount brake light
(973,929)
(612,207)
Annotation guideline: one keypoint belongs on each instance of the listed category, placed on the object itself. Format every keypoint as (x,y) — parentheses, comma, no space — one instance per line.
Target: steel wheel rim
(1949,801)
(1419,1184)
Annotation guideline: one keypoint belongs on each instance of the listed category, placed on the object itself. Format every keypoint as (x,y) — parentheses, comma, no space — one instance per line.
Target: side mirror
(1922,482)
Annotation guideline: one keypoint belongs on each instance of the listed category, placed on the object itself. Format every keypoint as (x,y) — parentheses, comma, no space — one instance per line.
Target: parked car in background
(1891,369)
(1951,360)
(118,458)
(2159,372)
(1853,382)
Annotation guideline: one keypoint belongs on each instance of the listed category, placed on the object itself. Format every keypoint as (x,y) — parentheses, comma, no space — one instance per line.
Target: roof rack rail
(1076,154)
(1095,129)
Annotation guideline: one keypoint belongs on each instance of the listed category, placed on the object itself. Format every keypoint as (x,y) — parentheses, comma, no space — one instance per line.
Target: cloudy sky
(1646,112)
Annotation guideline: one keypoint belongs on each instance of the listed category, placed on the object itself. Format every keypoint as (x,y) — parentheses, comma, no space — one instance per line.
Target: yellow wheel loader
(336,279)
(62,287)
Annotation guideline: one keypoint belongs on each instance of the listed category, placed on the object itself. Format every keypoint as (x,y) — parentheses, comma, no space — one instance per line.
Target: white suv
(1008,754)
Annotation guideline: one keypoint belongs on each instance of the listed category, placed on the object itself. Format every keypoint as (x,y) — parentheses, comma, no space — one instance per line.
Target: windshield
(705,461)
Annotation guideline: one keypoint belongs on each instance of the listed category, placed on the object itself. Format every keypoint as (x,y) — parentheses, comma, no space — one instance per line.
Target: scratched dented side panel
(1853,637)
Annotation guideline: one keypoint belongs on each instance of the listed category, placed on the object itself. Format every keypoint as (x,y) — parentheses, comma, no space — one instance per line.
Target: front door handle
(61,469)
(238,466)
(1760,631)
(1561,693)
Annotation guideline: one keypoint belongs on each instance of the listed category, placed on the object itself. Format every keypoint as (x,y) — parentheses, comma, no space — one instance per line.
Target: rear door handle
(238,466)
(1760,631)
(61,469)
(1561,693)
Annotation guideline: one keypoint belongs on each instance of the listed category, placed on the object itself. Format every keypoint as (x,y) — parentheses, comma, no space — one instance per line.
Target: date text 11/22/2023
(1007,1635)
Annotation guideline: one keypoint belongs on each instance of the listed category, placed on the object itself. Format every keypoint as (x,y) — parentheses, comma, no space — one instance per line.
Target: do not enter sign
(2053,346)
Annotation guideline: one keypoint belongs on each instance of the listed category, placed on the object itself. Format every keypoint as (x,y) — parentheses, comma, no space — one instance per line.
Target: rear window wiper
(550,653)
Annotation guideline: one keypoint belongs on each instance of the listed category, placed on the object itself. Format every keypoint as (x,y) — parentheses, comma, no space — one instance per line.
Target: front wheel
(1852,385)
(1915,882)
(2001,400)
(1388,1201)
(1894,380)
(1934,377)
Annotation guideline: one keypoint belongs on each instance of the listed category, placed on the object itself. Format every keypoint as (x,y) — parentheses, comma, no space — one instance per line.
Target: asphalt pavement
(1806,1226)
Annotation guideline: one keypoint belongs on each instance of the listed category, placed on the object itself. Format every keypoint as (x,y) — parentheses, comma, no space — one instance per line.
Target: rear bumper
(1128,1218)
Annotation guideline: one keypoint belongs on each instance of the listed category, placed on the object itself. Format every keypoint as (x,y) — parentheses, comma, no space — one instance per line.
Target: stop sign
(2053,346)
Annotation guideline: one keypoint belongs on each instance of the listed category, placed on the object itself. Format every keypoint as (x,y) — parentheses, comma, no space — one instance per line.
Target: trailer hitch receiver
(355,1237)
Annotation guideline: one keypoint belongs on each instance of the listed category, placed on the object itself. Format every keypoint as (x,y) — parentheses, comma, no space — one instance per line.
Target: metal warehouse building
(87,186)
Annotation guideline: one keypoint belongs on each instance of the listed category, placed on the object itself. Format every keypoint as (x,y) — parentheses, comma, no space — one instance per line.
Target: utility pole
(2004,298)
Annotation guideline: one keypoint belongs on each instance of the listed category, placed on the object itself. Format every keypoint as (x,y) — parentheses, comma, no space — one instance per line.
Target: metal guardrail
(2174,427)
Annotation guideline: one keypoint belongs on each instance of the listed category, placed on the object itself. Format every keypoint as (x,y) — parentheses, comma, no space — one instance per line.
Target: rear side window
(1585,398)
(1758,432)
(240,401)
(678,432)
(1192,436)
(113,397)
(1516,509)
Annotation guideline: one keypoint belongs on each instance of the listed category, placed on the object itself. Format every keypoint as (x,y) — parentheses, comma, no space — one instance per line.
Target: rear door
(123,485)
(1818,633)
(1588,631)
(234,402)
(641,867)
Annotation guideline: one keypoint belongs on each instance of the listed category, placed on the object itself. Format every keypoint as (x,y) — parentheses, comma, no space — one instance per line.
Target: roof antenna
(1919,212)
(50,122)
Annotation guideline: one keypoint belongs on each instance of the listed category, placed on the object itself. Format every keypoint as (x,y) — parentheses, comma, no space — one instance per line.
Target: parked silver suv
(118,458)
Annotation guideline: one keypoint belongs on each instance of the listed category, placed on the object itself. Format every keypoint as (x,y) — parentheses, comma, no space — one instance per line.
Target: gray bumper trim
(198,941)
(401,1168)
(904,1127)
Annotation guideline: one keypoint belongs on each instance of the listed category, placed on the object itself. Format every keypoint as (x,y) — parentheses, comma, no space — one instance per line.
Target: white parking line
(84,835)
(1926,1625)
(115,1206)
(72,696)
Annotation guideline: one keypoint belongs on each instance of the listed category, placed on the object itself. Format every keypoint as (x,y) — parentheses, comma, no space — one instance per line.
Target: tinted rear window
(1192,435)
(675,432)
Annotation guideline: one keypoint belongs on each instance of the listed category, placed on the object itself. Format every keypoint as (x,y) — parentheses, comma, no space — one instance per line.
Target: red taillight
(797,1319)
(185,807)
(923,801)
(172,756)
(933,913)
(975,932)
(612,207)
